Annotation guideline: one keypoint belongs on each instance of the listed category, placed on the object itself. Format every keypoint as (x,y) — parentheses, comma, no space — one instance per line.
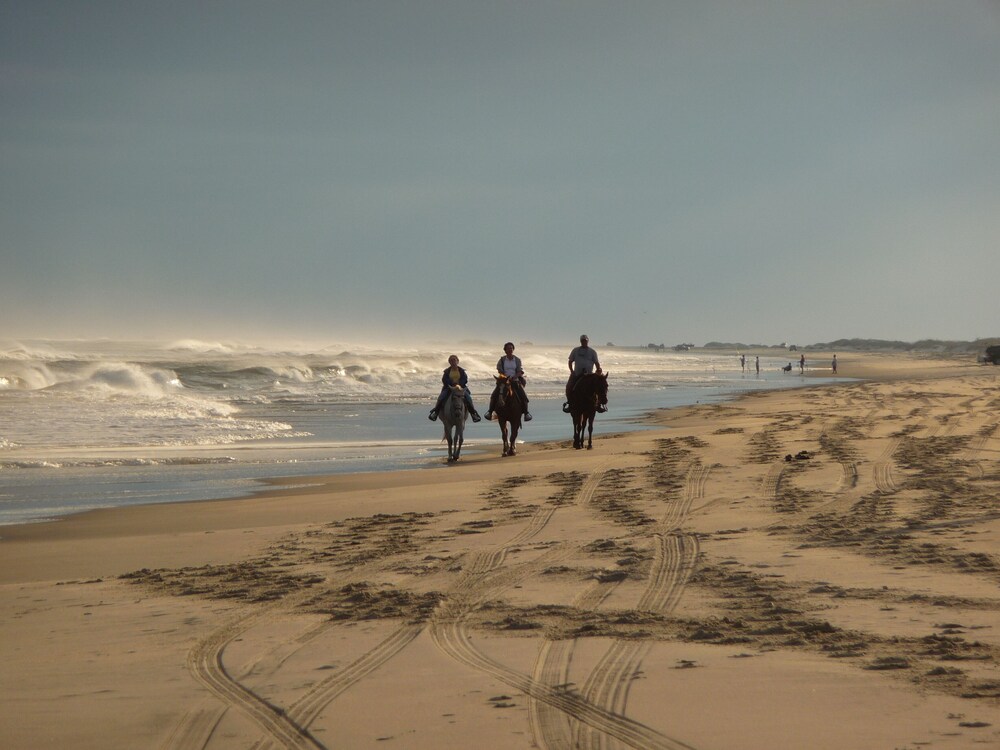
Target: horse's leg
(590,432)
(503,434)
(514,426)
(461,414)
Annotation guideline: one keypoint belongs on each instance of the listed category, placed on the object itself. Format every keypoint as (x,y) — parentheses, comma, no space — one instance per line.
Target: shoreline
(862,366)
(854,587)
(56,483)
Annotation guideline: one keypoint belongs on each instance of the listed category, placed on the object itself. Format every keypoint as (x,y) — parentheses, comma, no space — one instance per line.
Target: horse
(508,412)
(588,391)
(453,415)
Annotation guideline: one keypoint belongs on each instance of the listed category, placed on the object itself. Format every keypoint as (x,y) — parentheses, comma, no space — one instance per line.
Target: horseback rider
(452,376)
(582,361)
(510,366)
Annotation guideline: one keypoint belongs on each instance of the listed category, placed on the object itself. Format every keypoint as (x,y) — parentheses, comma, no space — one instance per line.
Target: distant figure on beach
(582,361)
(802,363)
(743,362)
(834,364)
(756,361)
(787,368)
(510,365)
(454,375)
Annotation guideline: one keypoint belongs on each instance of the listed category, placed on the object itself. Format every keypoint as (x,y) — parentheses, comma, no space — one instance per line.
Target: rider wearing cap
(582,361)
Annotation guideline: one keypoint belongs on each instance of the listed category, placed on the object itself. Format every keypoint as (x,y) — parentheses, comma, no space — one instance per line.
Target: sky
(644,172)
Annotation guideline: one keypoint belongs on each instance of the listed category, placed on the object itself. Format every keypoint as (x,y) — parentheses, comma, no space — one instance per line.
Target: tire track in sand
(882,469)
(453,639)
(550,726)
(977,446)
(609,683)
(205,663)
(482,581)
(309,706)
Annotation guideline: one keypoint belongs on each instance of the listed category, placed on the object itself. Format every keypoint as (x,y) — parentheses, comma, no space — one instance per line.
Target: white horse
(453,415)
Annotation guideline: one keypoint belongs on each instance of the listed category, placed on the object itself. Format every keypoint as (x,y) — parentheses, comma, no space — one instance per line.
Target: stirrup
(475,416)
(602,408)
(433,415)
(566,406)
(489,416)
(527,416)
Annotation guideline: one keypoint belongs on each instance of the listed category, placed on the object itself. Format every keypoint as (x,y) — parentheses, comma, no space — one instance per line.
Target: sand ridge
(816,568)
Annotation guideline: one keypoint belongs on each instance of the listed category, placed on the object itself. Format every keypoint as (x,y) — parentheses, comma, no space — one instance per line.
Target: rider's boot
(472,409)
(434,412)
(524,403)
(602,408)
(493,406)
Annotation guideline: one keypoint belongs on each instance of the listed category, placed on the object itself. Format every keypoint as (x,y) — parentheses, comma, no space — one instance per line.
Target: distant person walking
(833,365)
(802,364)
(582,361)
(743,362)
(756,361)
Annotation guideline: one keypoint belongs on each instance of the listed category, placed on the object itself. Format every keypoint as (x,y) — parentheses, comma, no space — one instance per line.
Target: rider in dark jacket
(454,375)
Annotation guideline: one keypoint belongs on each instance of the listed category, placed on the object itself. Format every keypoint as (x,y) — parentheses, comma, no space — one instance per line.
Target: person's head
(584,340)
(508,348)
(453,360)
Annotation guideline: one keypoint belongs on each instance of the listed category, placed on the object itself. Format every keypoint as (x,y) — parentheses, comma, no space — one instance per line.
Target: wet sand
(817,568)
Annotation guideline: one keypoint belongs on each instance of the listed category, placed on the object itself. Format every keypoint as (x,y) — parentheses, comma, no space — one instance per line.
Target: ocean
(93,424)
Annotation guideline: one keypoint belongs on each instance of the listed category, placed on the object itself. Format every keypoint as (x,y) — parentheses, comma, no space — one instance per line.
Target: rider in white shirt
(510,366)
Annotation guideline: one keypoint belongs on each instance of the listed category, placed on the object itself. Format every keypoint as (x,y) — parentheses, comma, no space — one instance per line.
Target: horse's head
(505,384)
(602,387)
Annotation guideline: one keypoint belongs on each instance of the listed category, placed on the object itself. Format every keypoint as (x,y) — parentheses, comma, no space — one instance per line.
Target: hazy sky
(663,171)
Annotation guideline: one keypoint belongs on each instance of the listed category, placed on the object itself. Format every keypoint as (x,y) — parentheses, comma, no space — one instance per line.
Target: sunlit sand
(815,568)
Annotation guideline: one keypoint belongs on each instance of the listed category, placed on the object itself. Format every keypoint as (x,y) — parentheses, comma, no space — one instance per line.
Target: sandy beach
(813,568)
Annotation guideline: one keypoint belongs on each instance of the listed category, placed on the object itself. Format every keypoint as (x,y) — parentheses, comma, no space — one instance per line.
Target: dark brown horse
(588,392)
(508,413)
